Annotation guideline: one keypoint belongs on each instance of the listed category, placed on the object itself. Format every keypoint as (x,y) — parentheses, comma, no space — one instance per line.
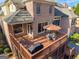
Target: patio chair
(53,36)
(49,37)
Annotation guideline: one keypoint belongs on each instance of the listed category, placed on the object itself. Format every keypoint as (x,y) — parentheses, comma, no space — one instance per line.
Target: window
(73,21)
(57,18)
(17,28)
(50,9)
(40,27)
(30,28)
(38,8)
(56,22)
(12,8)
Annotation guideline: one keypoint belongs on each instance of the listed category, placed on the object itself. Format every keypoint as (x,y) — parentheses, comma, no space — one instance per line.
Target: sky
(69,2)
(2,1)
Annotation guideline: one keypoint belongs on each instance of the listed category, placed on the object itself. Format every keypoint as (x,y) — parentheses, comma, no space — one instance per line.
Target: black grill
(34,48)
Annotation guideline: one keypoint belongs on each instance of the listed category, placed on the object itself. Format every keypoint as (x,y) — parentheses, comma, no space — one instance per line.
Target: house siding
(65,24)
(30,7)
(44,16)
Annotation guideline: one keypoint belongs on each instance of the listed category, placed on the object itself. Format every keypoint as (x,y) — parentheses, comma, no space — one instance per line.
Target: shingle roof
(19,17)
(59,13)
(66,11)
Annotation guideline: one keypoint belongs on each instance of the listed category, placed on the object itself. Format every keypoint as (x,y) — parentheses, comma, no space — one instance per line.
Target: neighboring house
(1,14)
(77,25)
(0,11)
(69,25)
(8,7)
(24,28)
(62,19)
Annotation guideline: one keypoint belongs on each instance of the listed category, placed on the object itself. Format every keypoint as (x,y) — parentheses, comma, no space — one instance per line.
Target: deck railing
(20,47)
(43,52)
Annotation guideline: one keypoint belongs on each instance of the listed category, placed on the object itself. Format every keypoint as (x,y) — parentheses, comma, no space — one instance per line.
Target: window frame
(38,8)
(30,28)
(50,9)
(19,32)
(57,18)
(42,25)
(73,22)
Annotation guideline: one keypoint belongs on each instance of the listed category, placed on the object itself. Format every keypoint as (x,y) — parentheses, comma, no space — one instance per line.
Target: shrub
(75,36)
(1,50)
(7,50)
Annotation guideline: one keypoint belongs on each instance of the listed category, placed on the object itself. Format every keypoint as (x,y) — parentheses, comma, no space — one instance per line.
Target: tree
(76,10)
(73,7)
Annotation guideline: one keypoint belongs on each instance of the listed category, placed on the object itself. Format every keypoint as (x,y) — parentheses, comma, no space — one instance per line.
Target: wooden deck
(41,39)
(49,45)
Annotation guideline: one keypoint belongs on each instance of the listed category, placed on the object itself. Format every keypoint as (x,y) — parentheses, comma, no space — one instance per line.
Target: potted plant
(7,50)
